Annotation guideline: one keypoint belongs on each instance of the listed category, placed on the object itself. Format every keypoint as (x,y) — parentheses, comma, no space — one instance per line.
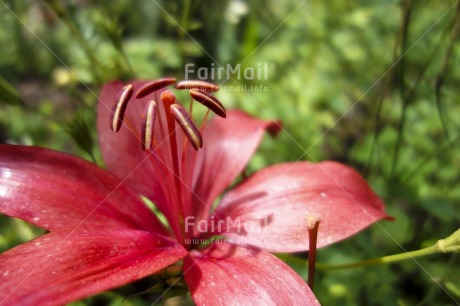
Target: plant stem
(121,50)
(400,73)
(183,30)
(184,19)
(381,260)
(59,10)
(84,44)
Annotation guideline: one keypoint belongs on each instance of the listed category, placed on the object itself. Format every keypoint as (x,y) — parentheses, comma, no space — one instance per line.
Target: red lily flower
(102,234)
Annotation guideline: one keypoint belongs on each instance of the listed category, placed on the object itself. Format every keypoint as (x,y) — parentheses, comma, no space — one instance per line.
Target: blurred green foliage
(372,84)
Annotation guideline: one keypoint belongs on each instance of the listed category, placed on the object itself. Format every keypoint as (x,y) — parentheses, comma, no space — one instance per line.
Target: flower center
(169,152)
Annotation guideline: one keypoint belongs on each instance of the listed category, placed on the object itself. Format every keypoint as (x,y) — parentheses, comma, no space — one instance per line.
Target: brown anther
(168,97)
(209,101)
(154,86)
(197,85)
(119,107)
(147,125)
(187,125)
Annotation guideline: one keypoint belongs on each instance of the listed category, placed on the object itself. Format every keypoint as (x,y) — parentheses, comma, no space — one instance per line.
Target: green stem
(184,28)
(9,94)
(381,260)
(400,74)
(121,50)
(184,18)
(84,44)
(59,10)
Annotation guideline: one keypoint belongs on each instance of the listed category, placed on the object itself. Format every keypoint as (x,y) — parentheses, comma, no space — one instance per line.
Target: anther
(119,107)
(209,101)
(154,86)
(187,125)
(147,125)
(197,85)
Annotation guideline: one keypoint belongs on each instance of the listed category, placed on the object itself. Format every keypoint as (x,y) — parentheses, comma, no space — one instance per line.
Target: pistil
(168,98)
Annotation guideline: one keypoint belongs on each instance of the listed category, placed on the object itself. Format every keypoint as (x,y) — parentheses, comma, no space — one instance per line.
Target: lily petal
(228,146)
(233,275)
(64,266)
(273,205)
(54,190)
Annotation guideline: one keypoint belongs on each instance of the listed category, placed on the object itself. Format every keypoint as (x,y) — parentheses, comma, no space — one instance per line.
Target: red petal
(65,266)
(54,190)
(273,205)
(233,275)
(122,151)
(228,145)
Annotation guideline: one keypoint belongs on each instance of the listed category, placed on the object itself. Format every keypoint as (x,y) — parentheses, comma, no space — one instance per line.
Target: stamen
(154,86)
(119,107)
(197,85)
(187,125)
(147,126)
(209,101)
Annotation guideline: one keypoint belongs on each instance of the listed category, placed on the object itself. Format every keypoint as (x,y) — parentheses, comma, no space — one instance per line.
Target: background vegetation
(372,84)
